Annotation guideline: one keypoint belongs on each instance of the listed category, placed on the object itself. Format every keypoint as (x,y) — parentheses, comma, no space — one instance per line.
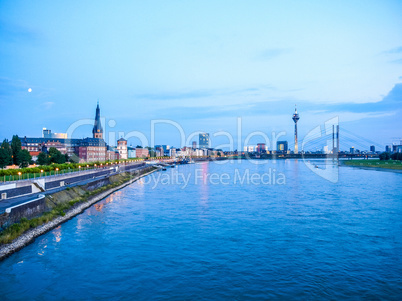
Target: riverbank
(389,165)
(75,206)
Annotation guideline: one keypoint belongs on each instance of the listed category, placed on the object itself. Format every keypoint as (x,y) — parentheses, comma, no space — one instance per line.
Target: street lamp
(19,174)
(57,170)
(41,172)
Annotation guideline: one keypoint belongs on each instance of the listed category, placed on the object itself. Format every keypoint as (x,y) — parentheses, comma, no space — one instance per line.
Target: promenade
(19,192)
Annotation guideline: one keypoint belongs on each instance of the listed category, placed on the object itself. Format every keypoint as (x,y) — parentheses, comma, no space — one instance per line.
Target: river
(227,230)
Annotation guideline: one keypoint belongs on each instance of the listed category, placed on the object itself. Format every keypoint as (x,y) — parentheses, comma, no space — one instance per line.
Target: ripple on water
(308,239)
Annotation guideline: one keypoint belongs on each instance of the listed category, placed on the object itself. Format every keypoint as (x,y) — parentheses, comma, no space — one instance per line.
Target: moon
(29,90)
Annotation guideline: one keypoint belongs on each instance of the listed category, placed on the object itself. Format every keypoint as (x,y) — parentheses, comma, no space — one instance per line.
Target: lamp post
(41,172)
(57,170)
(19,175)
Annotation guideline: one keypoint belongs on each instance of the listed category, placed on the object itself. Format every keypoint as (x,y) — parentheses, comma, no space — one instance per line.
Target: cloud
(399,61)
(47,105)
(207,94)
(271,53)
(393,51)
(170,96)
(9,86)
(16,34)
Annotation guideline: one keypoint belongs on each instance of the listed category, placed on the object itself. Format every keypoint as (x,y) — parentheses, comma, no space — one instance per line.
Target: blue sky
(201,64)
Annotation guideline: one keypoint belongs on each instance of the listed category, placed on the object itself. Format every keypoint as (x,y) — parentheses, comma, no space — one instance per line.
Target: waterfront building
(69,146)
(194,144)
(372,148)
(352,150)
(261,148)
(122,148)
(141,152)
(282,146)
(92,150)
(397,148)
(197,153)
(388,148)
(131,152)
(112,154)
(296,118)
(203,140)
(163,150)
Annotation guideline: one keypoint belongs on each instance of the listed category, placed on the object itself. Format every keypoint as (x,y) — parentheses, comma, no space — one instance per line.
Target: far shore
(392,166)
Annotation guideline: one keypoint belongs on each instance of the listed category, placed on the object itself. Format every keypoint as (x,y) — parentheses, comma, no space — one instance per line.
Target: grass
(17,229)
(389,164)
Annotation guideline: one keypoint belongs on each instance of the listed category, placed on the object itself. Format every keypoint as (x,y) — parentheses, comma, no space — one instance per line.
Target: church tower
(97,130)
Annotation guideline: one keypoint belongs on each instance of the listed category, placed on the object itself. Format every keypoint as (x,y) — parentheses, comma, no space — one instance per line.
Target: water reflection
(140,187)
(57,233)
(99,206)
(42,246)
(204,187)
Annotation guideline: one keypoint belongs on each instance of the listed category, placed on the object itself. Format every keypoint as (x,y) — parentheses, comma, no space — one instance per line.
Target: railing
(55,173)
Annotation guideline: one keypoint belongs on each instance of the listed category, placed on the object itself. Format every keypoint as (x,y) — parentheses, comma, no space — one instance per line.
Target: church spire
(97,130)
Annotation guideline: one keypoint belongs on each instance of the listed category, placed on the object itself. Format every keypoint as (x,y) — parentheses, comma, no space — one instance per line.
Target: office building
(282,146)
(46,133)
(204,140)
(261,148)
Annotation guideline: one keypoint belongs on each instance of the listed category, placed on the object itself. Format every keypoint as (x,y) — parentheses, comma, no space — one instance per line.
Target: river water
(238,230)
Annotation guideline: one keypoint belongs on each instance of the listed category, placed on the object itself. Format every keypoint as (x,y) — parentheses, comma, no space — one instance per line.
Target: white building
(122,148)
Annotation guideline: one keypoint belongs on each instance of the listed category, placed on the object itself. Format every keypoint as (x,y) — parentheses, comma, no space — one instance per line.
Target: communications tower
(296,119)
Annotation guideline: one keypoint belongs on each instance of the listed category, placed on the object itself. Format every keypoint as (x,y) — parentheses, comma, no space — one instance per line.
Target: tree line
(12,153)
(386,156)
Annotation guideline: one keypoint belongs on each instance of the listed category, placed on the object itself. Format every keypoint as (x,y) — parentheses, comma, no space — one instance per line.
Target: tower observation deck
(296,119)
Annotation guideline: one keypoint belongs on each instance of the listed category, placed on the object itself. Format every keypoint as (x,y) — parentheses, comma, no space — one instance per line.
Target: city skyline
(202,66)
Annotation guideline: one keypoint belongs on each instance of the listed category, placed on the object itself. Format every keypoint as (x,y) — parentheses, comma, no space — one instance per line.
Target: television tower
(296,119)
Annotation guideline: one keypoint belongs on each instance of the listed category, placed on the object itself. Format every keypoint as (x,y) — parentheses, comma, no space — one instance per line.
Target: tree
(43,159)
(396,156)
(74,159)
(24,158)
(4,159)
(56,156)
(384,156)
(5,154)
(15,148)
